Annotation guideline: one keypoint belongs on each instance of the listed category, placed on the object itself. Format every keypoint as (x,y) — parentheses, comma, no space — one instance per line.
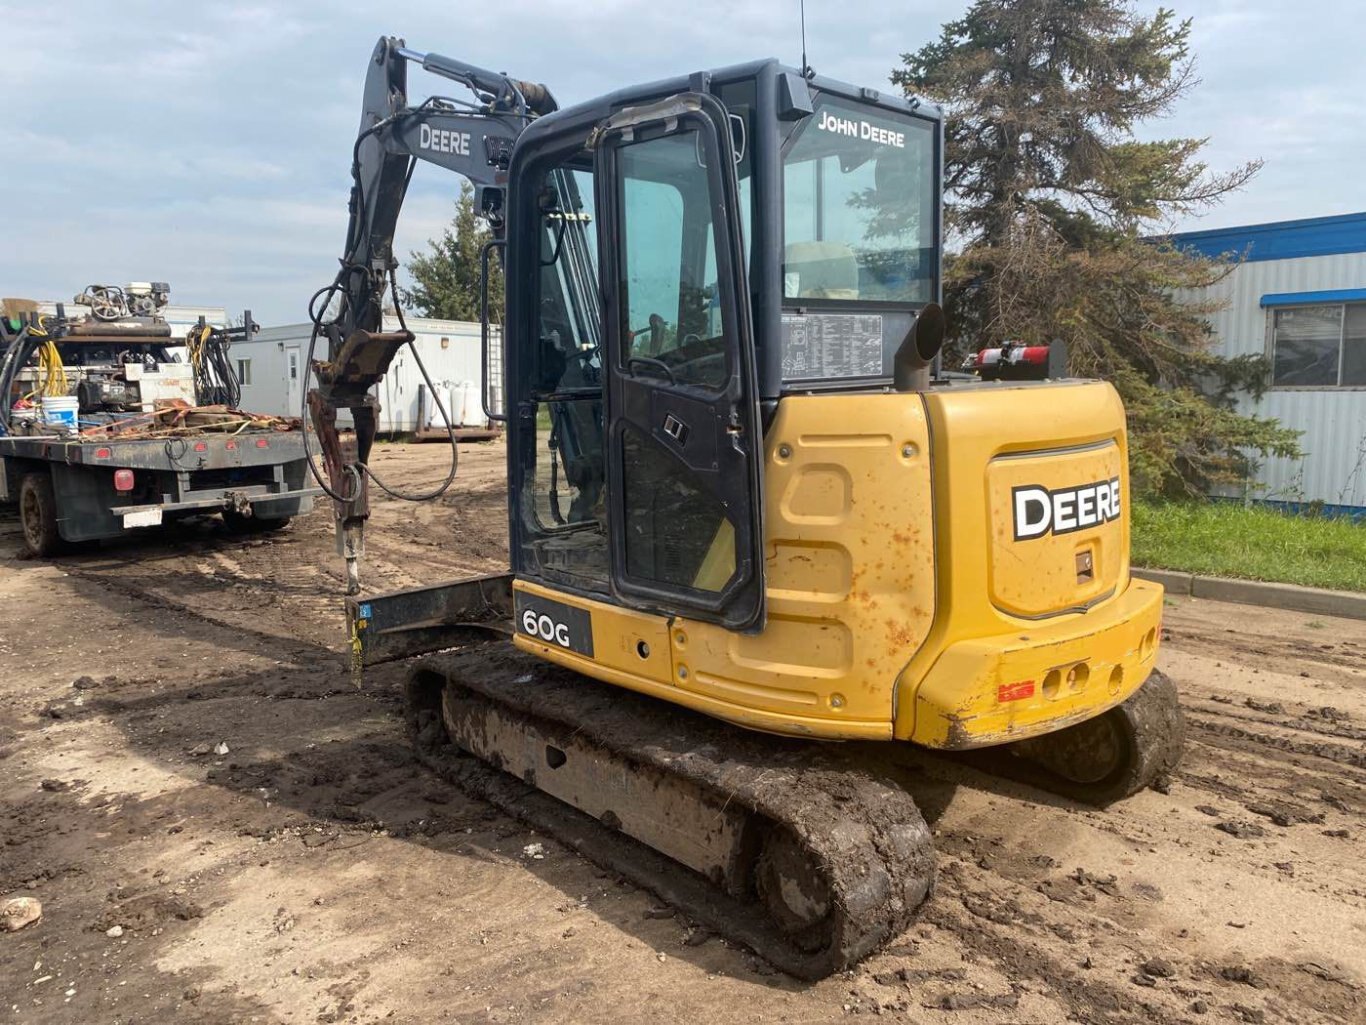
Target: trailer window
(859,206)
(1319,346)
(244,371)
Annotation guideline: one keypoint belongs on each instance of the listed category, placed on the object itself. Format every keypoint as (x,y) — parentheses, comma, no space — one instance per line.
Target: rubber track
(865,835)
(1155,726)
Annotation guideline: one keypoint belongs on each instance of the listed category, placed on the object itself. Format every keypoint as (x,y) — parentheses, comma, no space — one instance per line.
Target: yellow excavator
(745,518)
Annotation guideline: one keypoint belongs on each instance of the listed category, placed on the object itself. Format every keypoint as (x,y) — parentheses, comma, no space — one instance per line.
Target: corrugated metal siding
(1333,470)
(1333,420)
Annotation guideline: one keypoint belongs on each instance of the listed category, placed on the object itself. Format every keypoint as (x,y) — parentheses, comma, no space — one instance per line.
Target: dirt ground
(314,873)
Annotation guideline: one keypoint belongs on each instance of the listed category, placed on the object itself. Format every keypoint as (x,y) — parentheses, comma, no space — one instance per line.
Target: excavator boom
(472,137)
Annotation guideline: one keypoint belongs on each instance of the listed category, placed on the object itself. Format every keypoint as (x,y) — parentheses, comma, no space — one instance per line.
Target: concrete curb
(1347,604)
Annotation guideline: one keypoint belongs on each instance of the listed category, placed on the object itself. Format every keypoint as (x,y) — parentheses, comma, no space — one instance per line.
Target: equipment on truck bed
(104,429)
(120,354)
(733,488)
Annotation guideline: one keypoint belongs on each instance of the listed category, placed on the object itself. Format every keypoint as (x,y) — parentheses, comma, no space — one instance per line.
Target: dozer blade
(788,847)
(401,624)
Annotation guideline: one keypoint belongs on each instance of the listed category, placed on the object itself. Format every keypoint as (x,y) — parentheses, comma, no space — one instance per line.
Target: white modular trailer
(272,369)
(1298,297)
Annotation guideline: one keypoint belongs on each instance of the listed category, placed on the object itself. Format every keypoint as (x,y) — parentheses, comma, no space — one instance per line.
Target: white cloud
(208,144)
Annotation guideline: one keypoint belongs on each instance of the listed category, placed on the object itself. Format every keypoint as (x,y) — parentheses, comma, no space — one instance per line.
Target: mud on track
(316,873)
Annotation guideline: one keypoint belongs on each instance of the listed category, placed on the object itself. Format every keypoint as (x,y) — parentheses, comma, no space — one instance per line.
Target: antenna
(806,68)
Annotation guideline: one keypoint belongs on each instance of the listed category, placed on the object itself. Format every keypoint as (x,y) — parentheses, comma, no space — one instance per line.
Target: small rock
(1158,968)
(18,912)
(660,956)
(1205,809)
(1340,833)
(696,938)
(54,786)
(568,933)
(1242,830)
(1243,974)
(84,683)
(1249,1014)
(114,932)
(221,748)
(534,850)
(199,750)
(659,913)
(1285,814)
(1199,1007)
(1143,980)
(1330,713)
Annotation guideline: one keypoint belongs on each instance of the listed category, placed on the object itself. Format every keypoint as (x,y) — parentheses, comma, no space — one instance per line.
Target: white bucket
(472,406)
(60,411)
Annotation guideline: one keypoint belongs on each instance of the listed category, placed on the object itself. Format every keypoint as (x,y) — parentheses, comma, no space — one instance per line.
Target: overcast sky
(207,144)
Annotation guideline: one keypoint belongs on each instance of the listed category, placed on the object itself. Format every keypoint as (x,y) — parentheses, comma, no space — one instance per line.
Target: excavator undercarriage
(813,855)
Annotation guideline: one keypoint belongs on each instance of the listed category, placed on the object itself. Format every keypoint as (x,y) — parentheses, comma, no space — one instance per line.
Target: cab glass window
(859,206)
(668,266)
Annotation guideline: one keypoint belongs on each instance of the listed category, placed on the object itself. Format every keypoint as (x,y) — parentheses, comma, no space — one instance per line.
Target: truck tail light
(262,443)
(123,480)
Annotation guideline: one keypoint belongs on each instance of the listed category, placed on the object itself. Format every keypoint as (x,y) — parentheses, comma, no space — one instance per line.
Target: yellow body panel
(900,601)
(849,565)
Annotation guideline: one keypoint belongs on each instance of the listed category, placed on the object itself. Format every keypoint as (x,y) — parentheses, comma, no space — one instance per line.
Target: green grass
(1228,540)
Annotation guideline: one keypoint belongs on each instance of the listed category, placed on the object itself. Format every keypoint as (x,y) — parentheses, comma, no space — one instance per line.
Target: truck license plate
(142,518)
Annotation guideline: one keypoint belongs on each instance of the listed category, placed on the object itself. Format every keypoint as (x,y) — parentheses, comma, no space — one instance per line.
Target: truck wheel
(38,514)
(258,524)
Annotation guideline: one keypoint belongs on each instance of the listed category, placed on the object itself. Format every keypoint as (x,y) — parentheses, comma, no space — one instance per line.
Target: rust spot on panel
(899,635)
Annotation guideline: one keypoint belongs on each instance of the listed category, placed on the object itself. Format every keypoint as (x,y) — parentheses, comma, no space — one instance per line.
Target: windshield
(859,206)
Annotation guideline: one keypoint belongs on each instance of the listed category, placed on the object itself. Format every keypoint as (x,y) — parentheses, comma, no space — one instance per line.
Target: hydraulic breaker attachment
(344,382)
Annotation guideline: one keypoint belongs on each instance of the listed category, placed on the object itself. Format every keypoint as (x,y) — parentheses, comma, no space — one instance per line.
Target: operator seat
(825,270)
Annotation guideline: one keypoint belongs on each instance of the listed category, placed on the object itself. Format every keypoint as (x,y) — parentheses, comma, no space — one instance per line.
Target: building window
(293,365)
(1319,346)
(244,371)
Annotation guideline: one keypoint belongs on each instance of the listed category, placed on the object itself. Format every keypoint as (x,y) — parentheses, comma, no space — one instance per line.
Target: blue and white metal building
(1298,296)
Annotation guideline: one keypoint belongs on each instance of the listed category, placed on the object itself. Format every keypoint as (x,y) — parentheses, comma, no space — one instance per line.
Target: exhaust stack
(911,364)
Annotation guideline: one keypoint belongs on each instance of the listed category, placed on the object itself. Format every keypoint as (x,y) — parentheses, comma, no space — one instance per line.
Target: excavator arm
(472,136)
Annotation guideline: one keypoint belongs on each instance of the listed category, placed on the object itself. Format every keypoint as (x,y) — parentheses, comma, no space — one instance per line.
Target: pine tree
(446,277)
(1049,196)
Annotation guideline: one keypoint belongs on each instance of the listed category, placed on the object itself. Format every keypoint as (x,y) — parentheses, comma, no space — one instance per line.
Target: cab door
(684,446)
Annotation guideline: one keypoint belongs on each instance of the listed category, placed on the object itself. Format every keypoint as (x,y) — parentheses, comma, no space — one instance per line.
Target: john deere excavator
(742,518)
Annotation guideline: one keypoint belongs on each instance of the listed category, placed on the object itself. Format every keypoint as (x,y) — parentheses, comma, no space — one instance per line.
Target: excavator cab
(677,261)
